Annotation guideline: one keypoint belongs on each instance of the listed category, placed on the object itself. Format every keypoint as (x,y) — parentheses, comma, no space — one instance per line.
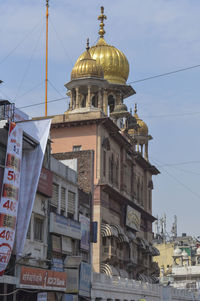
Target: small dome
(86,67)
(120,108)
(198,251)
(184,254)
(142,127)
(177,252)
(114,63)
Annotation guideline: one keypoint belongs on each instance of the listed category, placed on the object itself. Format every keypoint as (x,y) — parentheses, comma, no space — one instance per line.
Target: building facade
(98,120)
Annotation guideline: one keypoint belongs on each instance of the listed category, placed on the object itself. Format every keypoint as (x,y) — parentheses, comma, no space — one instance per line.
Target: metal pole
(46,79)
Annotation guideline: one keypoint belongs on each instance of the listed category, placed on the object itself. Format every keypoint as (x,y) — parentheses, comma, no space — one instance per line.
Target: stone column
(100,100)
(71,100)
(105,102)
(146,152)
(77,97)
(119,99)
(89,97)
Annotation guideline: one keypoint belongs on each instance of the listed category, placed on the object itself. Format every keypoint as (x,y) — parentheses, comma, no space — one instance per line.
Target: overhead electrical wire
(149,78)
(41,103)
(179,163)
(60,40)
(30,90)
(26,36)
(177,180)
(54,88)
(185,171)
(164,74)
(29,62)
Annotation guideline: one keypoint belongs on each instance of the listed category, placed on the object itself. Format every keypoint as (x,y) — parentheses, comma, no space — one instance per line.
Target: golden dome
(142,129)
(114,63)
(87,67)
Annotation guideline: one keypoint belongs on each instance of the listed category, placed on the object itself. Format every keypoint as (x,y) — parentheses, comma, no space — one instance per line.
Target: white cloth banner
(10,194)
(31,168)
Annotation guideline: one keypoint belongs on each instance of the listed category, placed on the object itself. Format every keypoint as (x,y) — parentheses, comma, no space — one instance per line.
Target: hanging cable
(27,92)
(164,74)
(41,103)
(29,63)
(26,36)
(177,180)
(61,42)
(54,88)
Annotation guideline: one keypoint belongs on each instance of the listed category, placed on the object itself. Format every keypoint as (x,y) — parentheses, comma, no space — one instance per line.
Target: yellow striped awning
(108,230)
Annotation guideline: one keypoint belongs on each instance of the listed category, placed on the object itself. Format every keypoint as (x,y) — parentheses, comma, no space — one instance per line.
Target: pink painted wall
(65,138)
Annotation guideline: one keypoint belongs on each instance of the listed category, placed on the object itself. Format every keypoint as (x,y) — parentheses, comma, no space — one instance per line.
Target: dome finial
(102,17)
(135,111)
(87,45)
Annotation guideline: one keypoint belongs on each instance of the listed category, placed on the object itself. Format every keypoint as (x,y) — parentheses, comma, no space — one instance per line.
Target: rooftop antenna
(174,227)
(46,78)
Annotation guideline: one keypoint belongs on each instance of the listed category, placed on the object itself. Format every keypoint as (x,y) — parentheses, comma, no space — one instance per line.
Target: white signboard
(64,226)
(133,218)
(42,297)
(10,194)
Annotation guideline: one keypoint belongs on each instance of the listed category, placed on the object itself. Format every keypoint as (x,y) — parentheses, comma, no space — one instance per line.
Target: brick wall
(85,167)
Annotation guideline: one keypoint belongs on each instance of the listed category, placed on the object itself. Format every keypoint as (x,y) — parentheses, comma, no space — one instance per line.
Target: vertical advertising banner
(85,232)
(85,280)
(10,194)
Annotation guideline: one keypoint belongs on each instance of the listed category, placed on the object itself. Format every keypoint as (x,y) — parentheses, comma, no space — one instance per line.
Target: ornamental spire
(87,44)
(135,111)
(102,17)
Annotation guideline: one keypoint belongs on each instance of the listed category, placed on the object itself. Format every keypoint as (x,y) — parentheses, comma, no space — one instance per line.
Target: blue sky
(157,36)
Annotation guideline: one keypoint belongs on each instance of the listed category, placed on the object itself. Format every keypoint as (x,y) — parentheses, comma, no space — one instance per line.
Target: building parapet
(106,287)
(63,170)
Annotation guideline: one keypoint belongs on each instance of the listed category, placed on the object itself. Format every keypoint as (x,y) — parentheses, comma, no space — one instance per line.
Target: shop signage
(57,264)
(85,279)
(10,194)
(45,182)
(64,226)
(72,280)
(42,297)
(42,279)
(85,232)
(133,218)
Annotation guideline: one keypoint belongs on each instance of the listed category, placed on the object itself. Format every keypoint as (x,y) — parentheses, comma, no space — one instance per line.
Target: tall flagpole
(46,79)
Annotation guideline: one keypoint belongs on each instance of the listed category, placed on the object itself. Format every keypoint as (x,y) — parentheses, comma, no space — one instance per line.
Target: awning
(109,270)
(145,242)
(131,236)
(121,234)
(141,243)
(154,251)
(108,230)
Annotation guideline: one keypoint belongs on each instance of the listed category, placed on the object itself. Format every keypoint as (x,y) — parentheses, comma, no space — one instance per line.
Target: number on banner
(6,235)
(10,205)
